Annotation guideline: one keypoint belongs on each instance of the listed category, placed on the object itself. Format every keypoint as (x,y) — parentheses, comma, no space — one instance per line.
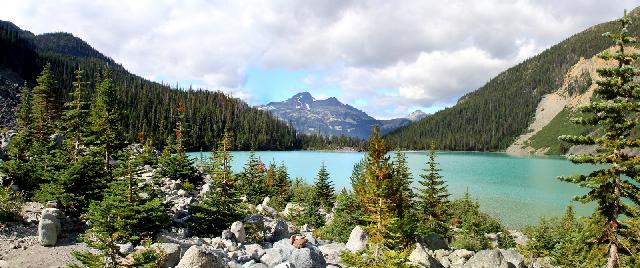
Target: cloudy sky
(387,58)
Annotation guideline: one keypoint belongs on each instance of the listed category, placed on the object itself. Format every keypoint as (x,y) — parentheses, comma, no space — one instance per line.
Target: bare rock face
(357,239)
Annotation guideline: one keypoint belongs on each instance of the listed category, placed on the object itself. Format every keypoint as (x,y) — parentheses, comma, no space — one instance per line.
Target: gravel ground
(19,248)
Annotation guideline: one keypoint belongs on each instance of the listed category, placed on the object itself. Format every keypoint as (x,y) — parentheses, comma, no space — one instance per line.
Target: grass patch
(559,125)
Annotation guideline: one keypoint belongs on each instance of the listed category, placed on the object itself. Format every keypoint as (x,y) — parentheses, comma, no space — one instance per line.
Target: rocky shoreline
(262,240)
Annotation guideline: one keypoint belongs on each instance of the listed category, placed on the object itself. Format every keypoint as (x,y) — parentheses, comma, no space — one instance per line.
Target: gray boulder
(49,227)
(420,257)
(171,251)
(331,252)
(487,259)
(282,251)
(357,239)
(237,228)
(284,265)
(47,232)
(276,231)
(459,257)
(198,257)
(255,251)
(258,265)
(274,256)
(434,242)
(513,257)
(309,257)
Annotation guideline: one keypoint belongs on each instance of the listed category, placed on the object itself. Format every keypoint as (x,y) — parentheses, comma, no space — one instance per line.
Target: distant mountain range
(331,117)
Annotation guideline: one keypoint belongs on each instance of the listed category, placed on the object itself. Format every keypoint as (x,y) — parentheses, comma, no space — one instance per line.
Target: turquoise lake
(518,190)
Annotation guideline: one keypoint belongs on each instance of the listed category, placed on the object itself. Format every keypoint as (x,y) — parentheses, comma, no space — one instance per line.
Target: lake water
(518,190)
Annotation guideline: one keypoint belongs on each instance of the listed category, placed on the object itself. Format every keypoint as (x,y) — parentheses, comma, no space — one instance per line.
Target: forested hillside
(149,107)
(491,117)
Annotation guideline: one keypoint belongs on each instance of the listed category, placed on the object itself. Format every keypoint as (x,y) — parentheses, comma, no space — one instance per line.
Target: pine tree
(402,192)
(614,109)
(75,118)
(106,118)
(23,113)
(373,194)
(175,163)
(323,189)
(252,179)
(220,168)
(282,193)
(432,200)
(43,113)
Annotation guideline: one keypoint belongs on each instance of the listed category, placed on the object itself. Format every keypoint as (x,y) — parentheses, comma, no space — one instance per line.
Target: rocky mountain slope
(494,116)
(331,117)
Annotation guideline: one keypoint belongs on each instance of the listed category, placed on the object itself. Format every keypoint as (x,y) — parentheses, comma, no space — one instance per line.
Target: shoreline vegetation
(135,206)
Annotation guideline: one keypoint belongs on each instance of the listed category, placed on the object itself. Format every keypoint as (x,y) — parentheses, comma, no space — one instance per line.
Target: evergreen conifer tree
(175,163)
(23,113)
(106,119)
(220,169)
(614,108)
(373,193)
(323,189)
(402,192)
(252,179)
(43,106)
(75,118)
(432,200)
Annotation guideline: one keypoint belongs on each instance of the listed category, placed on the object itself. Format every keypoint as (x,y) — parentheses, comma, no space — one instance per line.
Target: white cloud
(397,55)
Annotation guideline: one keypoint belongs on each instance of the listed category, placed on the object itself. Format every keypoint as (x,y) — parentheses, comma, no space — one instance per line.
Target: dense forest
(148,107)
(491,117)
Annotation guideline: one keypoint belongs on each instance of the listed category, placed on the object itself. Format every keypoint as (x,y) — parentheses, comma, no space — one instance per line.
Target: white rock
(237,228)
(197,257)
(357,239)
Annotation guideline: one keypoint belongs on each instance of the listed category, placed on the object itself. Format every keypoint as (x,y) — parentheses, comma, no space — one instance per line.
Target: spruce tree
(323,189)
(252,179)
(374,195)
(43,113)
(613,109)
(432,200)
(220,168)
(23,113)
(75,118)
(402,192)
(282,193)
(175,163)
(106,119)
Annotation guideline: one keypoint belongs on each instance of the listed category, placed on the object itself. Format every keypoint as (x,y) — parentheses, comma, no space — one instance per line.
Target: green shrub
(367,258)
(10,204)
(347,215)
(213,214)
(470,241)
(475,224)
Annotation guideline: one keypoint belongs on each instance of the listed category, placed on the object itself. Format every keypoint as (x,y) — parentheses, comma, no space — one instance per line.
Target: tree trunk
(613,261)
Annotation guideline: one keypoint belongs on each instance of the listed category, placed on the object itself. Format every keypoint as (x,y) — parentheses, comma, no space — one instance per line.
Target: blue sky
(386,58)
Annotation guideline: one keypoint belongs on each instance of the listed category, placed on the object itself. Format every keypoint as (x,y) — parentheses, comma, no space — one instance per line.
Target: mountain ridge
(149,108)
(493,116)
(331,117)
